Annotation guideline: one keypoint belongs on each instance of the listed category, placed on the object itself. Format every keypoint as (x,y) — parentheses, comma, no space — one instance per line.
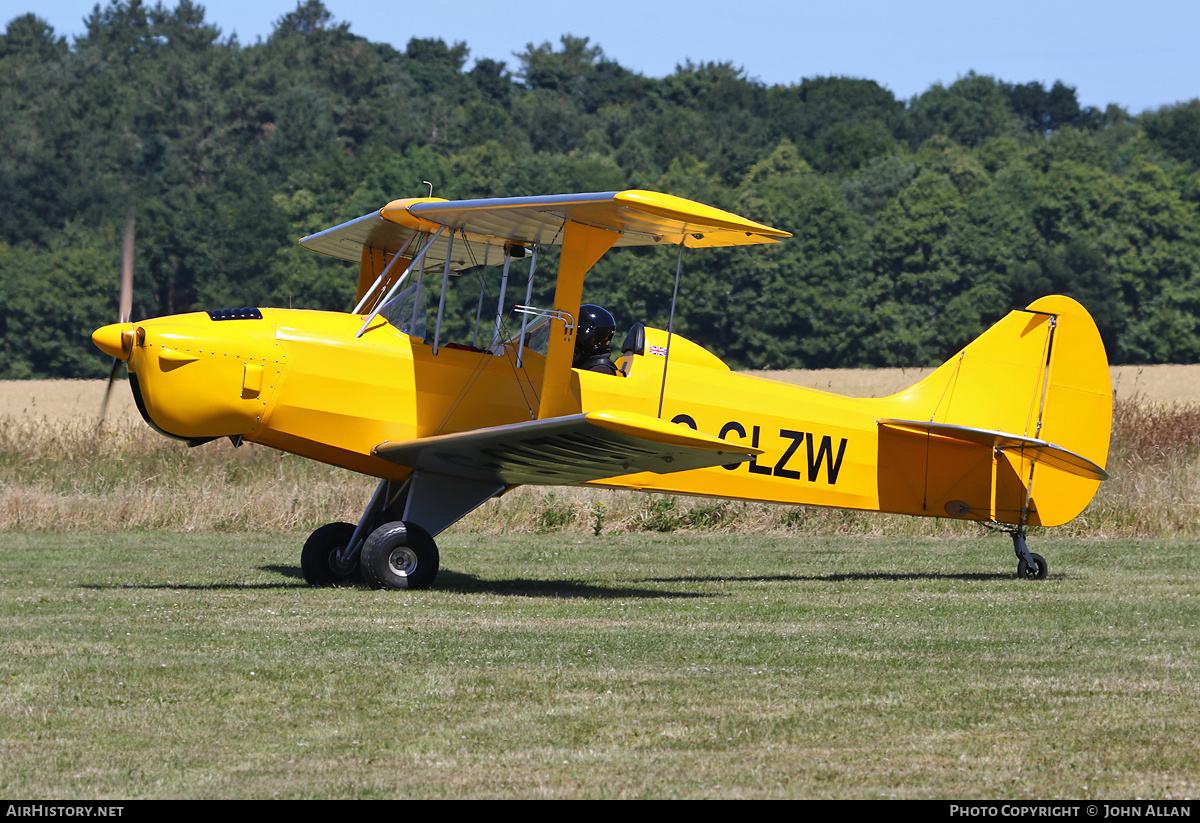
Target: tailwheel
(1030,566)
(321,559)
(1035,570)
(399,555)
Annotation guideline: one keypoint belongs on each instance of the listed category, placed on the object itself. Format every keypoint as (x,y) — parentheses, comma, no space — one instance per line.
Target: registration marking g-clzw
(819,449)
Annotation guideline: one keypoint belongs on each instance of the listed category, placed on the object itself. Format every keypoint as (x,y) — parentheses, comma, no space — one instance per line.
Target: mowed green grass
(167,665)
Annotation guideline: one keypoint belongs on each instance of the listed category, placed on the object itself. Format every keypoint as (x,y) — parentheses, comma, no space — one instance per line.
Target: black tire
(1037,571)
(399,555)
(318,559)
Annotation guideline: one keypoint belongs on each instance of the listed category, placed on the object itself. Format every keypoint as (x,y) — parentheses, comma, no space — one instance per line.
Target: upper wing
(642,218)
(571,449)
(1038,450)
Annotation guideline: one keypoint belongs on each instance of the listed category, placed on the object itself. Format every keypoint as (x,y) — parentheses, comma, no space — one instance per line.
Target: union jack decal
(660,351)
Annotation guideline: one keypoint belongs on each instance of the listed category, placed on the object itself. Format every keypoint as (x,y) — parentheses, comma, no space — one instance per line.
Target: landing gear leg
(386,550)
(1030,566)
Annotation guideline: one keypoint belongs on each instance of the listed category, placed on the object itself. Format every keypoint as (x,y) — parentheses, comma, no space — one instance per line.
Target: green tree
(53,298)
(37,123)
(1176,129)
(970,111)
(1045,111)
(838,123)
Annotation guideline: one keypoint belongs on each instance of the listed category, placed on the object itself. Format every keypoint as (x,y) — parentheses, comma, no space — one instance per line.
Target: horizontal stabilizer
(1041,451)
(571,449)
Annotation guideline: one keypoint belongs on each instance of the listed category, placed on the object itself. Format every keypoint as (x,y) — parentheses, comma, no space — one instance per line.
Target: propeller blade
(112,375)
(124,306)
(125,312)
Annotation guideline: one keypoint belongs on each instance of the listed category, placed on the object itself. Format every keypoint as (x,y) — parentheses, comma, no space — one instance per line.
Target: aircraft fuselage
(302,382)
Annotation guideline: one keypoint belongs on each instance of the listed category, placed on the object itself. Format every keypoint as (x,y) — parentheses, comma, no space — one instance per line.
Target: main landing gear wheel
(399,555)
(319,558)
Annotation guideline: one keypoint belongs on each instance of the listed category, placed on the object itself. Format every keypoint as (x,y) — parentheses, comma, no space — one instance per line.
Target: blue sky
(1139,55)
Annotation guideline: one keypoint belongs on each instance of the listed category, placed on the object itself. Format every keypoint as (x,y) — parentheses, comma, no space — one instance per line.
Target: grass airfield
(837,658)
(631,666)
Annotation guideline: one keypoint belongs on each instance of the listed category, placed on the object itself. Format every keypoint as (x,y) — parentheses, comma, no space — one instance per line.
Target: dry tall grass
(58,475)
(1154,467)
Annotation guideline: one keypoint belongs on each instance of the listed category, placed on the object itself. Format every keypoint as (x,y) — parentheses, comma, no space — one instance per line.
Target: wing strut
(437,329)
(362,304)
(420,256)
(500,299)
(482,286)
(662,392)
(528,297)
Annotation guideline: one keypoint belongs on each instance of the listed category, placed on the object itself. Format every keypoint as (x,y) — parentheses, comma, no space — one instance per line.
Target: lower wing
(570,449)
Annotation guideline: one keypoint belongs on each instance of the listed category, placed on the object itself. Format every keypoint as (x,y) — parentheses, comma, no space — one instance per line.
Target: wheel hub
(341,566)
(403,561)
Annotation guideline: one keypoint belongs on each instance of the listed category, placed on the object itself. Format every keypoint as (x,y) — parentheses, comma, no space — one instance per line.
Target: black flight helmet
(596,328)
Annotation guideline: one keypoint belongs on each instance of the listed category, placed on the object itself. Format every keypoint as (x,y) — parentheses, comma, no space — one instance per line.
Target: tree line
(916,223)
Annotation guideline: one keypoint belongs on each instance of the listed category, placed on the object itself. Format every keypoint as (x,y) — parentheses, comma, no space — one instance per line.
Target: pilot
(595,333)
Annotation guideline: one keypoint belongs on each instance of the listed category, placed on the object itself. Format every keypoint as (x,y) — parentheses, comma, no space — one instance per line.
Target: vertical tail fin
(987,430)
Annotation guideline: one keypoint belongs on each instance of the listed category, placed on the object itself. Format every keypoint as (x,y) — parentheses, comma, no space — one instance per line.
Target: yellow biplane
(1012,431)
